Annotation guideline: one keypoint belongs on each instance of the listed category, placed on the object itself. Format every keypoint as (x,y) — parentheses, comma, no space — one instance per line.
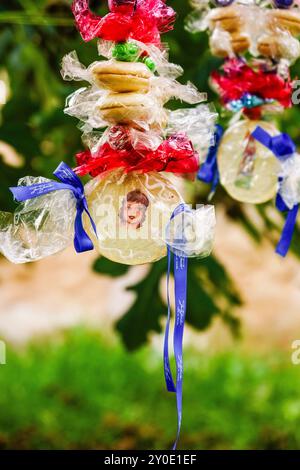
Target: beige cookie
(227,18)
(122,77)
(239,42)
(123,108)
(279,45)
(288,20)
(269,46)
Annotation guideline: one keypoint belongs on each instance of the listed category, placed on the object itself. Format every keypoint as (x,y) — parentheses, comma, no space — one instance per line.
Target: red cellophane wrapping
(239,78)
(175,154)
(142,20)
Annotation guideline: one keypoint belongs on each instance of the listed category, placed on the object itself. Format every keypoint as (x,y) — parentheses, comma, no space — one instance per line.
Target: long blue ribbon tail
(167,368)
(180,279)
(180,283)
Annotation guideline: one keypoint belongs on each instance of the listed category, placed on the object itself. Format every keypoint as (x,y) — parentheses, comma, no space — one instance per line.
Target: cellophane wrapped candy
(131,212)
(39,227)
(133,141)
(238,27)
(191,233)
(125,92)
(248,170)
(289,188)
(143,20)
(255,88)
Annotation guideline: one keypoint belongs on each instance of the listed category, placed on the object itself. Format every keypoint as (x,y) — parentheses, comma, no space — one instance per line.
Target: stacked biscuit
(128,84)
(133,94)
(267,32)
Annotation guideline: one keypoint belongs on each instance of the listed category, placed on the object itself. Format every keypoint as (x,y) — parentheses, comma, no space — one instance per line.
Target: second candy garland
(252,160)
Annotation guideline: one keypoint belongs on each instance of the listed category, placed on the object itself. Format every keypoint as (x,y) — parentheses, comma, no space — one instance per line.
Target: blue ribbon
(284,243)
(180,280)
(208,172)
(70,181)
(283,147)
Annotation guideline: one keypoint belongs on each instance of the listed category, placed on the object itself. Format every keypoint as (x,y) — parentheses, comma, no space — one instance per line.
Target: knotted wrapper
(143,20)
(39,227)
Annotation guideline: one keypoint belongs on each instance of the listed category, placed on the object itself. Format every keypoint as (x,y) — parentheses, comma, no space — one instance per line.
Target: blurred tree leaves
(210,293)
(144,315)
(105,266)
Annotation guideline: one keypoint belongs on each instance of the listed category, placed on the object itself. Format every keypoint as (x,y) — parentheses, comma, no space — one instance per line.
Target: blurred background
(84,336)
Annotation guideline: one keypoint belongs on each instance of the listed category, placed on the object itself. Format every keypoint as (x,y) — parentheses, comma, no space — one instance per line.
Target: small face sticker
(134,207)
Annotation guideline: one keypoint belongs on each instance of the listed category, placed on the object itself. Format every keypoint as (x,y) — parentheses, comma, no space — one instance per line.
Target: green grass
(79,392)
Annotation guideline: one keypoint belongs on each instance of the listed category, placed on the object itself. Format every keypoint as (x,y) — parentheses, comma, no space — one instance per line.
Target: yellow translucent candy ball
(131,212)
(248,170)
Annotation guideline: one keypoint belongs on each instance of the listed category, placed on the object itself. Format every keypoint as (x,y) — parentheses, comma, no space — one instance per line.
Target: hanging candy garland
(251,159)
(130,210)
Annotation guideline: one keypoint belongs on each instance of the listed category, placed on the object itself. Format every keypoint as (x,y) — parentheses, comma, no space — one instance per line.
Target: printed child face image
(134,207)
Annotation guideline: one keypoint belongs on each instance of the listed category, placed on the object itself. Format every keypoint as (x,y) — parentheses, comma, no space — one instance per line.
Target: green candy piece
(150,64)
(126,52)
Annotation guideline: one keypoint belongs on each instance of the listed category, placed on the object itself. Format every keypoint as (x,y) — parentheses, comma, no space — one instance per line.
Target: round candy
(131,212)
(126,52)
(248,170)
(150,64)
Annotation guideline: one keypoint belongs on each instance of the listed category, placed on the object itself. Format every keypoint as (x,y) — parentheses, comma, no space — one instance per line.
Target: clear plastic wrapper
(289,188)
(198,124)
(246,25)
(131,212)
(191,233)
(123,92)
(39,227)
(97,109)
(120,137)
(248,170)
(158,55)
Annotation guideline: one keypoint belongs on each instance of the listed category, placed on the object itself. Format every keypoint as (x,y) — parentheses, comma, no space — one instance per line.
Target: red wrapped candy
(239,79)
(143,20)
(175,154)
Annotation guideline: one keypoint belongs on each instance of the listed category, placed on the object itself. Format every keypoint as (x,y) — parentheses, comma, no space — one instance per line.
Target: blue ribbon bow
(283,148)
(180,281)
(281,145)
(70,181)
(208,172)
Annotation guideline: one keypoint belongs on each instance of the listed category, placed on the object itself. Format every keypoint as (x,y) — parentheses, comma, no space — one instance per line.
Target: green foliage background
(59,406)
(75,393)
